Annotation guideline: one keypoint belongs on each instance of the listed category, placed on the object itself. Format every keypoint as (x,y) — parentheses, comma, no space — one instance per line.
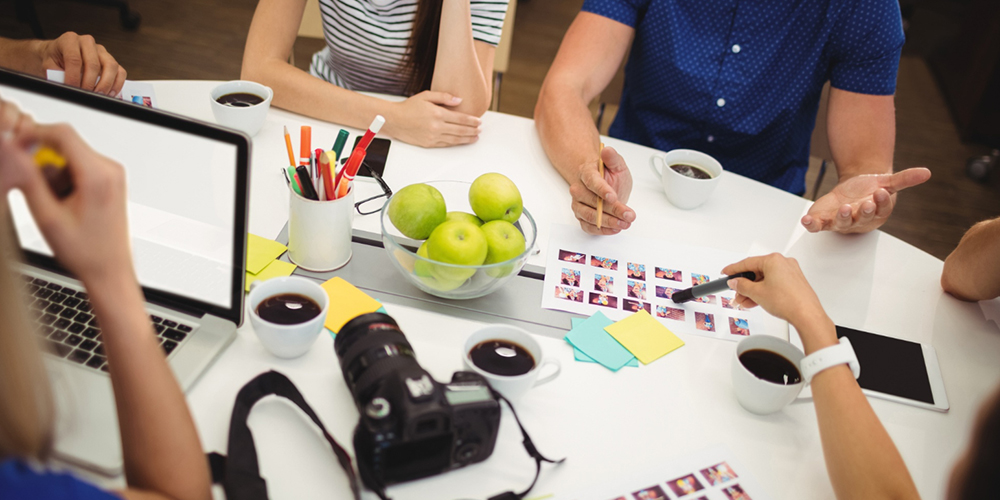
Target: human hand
(782,290)
(83,60)
(87,230)
(862,203)
(424,120)
(615,188)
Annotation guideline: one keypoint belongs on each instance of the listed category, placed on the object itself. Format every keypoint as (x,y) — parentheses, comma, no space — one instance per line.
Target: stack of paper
(262,263)
(638,337)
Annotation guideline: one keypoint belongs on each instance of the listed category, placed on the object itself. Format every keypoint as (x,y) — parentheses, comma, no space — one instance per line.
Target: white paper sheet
(711,474)
(619,274)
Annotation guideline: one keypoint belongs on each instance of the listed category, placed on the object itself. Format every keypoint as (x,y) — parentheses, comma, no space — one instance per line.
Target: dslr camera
(411,425)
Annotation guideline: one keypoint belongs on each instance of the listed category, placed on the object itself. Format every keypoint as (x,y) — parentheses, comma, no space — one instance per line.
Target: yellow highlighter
(53,167)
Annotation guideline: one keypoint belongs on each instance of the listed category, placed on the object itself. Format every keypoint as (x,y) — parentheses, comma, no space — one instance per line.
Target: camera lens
(370,348)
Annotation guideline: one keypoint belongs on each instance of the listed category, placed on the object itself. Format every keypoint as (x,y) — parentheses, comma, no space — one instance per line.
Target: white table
(612,423)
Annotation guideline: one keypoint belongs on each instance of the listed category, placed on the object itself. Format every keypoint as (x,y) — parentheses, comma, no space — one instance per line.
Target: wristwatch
(829,357)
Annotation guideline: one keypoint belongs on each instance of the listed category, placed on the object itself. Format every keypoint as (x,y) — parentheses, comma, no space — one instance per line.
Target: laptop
(187,209)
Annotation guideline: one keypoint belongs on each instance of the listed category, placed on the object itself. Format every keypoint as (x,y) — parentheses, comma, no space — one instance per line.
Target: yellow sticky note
(346,302)
(275,269)
(261,252)
(644,336)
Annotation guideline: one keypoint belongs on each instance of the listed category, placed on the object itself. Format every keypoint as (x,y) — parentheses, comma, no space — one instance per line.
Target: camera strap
(529,446)
(239,474)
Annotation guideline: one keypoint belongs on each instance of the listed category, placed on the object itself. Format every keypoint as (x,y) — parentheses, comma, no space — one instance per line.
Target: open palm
(861,203)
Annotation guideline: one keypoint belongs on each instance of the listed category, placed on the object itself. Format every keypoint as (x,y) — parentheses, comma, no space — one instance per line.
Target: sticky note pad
(261,252)
(275,269)
(580,356)
(591,339)
(644,336)
(346,302)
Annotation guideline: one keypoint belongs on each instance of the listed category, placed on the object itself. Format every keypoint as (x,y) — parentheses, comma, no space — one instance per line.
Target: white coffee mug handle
(652,165)
(551,376)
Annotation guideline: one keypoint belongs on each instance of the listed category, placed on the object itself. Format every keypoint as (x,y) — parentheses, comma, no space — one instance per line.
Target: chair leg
(26,13)
(497,80)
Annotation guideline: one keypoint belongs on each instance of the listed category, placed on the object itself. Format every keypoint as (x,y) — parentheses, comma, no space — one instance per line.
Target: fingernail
(807,222)
(629,216)
(622,224)
(456,99)
(868,211)
(732,284)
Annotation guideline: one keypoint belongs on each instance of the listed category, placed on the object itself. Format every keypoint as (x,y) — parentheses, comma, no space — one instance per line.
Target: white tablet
(893,369)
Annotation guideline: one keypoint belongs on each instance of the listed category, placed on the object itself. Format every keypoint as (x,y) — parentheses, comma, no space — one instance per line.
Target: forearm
(862,133)
(972,271)
(861,459)
(22,55)
(161,449)
(566,129)
(457,67)
(300,92)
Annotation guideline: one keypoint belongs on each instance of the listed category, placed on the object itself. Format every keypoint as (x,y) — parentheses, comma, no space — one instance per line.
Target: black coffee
(288,309)
(690,171)
(502,357)
(240,100)
(770,366)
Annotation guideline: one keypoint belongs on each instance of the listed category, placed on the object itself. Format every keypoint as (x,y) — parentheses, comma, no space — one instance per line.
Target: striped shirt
(366,40)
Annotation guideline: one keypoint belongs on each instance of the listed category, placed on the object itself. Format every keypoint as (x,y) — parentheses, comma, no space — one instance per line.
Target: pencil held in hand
(600,201)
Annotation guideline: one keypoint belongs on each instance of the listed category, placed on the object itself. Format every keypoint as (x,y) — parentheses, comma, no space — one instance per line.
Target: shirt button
(710,138)
(721,102)
(736,49)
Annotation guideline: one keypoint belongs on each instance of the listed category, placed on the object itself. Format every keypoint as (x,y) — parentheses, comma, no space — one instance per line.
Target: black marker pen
(709,288)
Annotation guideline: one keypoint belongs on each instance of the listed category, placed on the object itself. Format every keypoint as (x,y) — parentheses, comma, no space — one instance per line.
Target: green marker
(293,181)
(338,146)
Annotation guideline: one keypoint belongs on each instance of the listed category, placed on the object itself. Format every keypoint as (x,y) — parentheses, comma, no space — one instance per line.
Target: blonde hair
(26,406)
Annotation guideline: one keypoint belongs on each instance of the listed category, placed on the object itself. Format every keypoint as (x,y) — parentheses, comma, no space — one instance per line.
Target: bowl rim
(529,247)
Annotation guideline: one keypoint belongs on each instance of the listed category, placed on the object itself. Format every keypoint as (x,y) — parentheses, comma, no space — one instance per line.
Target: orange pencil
(305,143)
(288,144)
(600,201)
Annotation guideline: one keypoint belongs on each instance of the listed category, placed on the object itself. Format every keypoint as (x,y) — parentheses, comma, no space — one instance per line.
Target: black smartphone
(375,158)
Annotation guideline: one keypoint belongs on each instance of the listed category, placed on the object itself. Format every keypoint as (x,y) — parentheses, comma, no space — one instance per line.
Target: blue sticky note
(580,356)
(591,339)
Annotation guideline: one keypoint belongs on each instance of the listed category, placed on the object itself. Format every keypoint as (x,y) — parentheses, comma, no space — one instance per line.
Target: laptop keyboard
(70,330)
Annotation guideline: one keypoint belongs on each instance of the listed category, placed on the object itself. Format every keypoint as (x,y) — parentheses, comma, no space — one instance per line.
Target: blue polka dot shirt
(741,79)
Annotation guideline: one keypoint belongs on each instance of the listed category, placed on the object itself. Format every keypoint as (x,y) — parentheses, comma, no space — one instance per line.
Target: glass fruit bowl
(453,281)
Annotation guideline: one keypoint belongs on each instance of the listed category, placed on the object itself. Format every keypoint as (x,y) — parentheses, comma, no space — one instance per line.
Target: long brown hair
(26,407)
(421,52)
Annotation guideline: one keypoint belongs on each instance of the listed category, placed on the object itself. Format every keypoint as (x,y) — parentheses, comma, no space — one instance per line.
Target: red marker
(349,170)
(360,148)
(372,130)
(305,144)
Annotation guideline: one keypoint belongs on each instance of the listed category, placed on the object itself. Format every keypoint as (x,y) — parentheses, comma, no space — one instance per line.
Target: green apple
(495,197)
(423,270)
(503,242)
(456,242)
(466,216)
(416,210)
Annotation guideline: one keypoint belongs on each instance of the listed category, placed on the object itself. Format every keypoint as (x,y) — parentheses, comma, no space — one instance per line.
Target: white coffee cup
(683,191)
(512,387)
(287,341)
(249,119)
(761,396)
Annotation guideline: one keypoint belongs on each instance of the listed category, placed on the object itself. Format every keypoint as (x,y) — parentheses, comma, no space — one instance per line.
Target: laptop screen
(183,193)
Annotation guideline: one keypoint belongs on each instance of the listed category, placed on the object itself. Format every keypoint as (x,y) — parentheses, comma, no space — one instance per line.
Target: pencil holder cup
(319,232)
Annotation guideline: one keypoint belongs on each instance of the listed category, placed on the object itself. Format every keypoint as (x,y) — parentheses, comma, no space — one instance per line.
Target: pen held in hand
(600,170)
(709,288)
(53,167)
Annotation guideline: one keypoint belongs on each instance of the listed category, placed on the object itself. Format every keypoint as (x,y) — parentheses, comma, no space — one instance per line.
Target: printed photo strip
(636,271)
(665,292)
(665,273)
(704,321)
(739,326)
(651,493)
(570,294)
(635,306)
(570,277)
(604,300)
(575,257)
(718,474)
(735,492)
(604,283)
(604,263)
(636,290)
(670,313)
(685,485)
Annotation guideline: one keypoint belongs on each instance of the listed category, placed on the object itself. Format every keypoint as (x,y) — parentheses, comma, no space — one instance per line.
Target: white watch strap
(828,357)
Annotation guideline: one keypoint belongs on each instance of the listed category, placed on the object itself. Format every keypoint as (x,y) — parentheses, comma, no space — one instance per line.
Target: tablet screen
(890,366)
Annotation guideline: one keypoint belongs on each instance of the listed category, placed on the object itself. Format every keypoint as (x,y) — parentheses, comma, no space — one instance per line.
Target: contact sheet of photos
(711,474)
(620,275)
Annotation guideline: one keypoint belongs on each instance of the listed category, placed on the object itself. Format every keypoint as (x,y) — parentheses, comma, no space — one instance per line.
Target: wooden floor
(184,39)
